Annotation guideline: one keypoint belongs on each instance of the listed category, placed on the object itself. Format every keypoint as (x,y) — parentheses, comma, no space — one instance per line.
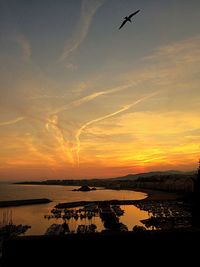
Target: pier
(98,202)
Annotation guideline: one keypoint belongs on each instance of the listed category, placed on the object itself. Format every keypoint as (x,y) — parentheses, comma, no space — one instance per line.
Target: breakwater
(21,202)
(83,203)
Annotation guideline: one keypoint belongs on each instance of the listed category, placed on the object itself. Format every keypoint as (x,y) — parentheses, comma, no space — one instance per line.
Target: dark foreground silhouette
(101,248)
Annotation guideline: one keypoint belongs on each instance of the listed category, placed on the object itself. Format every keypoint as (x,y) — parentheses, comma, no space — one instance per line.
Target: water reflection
(104,217)
(132,216)
(34,214)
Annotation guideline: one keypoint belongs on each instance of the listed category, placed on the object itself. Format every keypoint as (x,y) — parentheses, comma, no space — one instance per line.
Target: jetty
(21,202)
(76,204)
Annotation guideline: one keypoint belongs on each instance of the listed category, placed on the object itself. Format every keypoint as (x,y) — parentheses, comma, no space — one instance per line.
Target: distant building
(197,182)
(171,183)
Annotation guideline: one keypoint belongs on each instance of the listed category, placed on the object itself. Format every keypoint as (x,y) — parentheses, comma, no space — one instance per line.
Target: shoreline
(157,195)
(152,195)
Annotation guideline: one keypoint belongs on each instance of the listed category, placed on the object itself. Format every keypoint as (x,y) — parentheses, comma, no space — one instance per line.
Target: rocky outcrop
(85,188)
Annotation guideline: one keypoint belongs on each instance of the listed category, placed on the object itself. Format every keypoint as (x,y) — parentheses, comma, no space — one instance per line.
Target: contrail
(84,126)
(90,97)
(11,121)
(46,96)
(59,135)
(88,10)
(52,125)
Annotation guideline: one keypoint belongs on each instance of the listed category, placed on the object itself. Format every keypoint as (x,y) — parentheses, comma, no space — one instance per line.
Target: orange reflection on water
(132,216)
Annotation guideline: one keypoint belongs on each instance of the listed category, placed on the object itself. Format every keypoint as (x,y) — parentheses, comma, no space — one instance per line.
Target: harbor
(108,214)
(98,202)
(162,214)
(74,207)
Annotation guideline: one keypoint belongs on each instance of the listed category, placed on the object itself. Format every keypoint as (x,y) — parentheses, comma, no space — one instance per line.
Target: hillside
(151,174)
(167,180)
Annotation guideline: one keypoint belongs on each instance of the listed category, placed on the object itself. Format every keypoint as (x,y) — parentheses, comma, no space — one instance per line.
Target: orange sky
(84,107)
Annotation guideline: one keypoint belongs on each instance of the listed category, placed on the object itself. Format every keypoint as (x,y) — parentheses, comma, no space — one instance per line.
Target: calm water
(33,215)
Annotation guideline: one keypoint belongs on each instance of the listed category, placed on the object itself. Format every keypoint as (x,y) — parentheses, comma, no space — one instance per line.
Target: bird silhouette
(128,18)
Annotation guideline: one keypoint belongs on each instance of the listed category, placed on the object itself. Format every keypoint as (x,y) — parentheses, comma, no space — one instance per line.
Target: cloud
(185,50)
(57,131)
(24,44)
(11,121)
(46,96)
(156,137)
(88,10)
(153,134)
(71,66)
(19,39)
(84,126)
(10,32)
(175,69)
(92,96)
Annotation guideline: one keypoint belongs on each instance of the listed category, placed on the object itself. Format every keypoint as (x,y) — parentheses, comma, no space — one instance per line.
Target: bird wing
(122,24)
(131,15)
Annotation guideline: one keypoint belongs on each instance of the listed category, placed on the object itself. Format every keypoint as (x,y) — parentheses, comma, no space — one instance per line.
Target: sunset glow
(80,99)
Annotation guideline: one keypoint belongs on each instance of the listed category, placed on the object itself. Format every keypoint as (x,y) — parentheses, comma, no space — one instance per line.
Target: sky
(80,98)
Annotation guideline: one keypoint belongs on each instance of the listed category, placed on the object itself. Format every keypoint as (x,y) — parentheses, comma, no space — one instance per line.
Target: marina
(75,211)
(161,214)
(109,215)
(166,214)
(78,210)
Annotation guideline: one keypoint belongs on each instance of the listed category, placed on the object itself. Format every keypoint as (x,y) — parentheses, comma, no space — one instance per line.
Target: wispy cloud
(177,50)
(57,131)
(10,32)
(149,136)
(24,44)
(46,96)
(84,126)
(88,10)
(11,121)
(71,66)
(175,69)
(92,96)
(21,41)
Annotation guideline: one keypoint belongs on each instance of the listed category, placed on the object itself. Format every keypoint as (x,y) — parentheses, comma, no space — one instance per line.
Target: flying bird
(128,18)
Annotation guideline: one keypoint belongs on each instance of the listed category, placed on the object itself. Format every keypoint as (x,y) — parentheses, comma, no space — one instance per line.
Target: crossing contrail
(84,126)
(52,123)
(92,96)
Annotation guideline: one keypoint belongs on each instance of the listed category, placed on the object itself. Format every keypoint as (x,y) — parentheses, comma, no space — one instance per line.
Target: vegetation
(12,230)
(139,229)
(8,229)
(151,222)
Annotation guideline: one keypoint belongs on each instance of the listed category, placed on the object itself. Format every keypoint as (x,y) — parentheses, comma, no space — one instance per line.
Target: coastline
(152,195)
(157,195)
(25,247)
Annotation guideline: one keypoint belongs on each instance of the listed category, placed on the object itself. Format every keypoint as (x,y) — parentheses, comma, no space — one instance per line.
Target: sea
(34,215)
